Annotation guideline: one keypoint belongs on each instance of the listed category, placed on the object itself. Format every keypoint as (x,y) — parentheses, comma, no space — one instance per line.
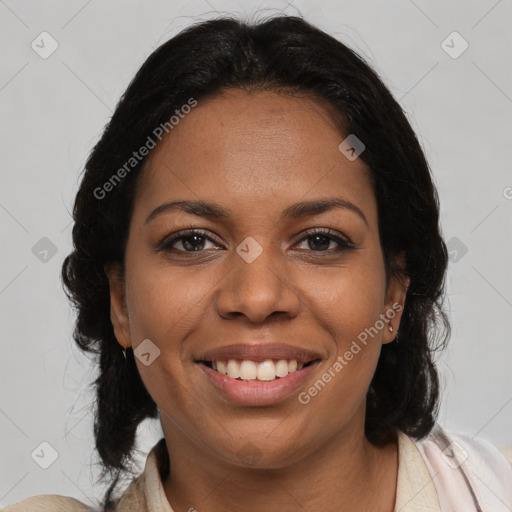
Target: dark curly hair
(284,54)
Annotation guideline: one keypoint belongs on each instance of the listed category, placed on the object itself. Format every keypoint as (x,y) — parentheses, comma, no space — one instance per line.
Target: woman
(258,262)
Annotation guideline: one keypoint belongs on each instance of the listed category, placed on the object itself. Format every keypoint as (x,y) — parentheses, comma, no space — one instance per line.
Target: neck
(345,473)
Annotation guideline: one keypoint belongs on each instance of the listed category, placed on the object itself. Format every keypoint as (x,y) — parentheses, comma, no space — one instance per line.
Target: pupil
(325,239)
(196,238)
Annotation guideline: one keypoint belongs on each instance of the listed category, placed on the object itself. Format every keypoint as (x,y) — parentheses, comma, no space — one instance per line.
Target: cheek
(347,300)
(165,302)
(347,306)
(165,305)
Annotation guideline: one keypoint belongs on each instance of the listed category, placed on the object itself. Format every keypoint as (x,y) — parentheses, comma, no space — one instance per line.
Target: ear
(118,310)
(395,300)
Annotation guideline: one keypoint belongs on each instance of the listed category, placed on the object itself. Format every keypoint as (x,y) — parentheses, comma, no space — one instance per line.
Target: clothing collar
(415,491)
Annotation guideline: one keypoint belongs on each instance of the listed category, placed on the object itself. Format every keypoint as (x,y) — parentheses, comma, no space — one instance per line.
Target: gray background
(53,111)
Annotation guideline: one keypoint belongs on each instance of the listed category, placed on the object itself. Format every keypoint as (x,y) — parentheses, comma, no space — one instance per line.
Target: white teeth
(282,368)
(233,369)
(267,370)
(221,367)
(248,370)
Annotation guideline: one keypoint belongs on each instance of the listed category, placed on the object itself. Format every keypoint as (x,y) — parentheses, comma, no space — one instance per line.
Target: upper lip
(259,352)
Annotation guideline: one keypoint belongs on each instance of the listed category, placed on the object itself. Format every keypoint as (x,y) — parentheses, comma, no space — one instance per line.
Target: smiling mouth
(267,370)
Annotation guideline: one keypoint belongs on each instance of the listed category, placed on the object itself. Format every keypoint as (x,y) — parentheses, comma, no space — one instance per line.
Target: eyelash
(343,245)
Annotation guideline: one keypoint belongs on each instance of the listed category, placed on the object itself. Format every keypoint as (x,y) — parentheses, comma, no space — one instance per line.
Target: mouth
(267,370)
(257,383)
(257,374)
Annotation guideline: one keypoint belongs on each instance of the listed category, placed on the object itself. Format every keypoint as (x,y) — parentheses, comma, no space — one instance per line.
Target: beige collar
(415,488)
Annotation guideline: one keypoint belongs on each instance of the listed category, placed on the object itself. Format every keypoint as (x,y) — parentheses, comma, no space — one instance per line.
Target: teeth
(282,368)
(267,370)
(233,369)
(248,370)
(220,367)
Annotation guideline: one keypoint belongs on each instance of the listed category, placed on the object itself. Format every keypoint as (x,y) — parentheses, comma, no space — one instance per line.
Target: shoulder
(462,464)
(456,448)
(48,503)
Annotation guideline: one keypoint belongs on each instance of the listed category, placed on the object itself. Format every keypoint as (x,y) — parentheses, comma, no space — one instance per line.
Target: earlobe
(118,310)
(393,311)
(395,302)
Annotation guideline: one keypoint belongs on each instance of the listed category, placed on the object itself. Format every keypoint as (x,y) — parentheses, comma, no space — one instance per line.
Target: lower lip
(256,392)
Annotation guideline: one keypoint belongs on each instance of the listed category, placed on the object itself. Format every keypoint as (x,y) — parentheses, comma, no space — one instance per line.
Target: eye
(190,241)
(196,240)
(319,240)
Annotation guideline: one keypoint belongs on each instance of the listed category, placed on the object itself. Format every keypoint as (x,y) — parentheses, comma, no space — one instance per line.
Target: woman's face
(259,276)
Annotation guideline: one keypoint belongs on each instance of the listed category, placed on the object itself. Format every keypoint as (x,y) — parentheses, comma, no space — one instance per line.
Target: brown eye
(190,241)
(319,242)
(321,239)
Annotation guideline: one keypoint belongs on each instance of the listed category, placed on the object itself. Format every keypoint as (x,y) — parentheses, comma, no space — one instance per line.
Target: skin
(256,154)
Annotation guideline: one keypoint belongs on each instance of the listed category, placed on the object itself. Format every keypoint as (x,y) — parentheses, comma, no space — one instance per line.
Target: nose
(257,289)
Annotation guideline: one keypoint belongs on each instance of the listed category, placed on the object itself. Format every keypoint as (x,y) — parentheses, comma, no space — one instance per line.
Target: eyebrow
(295,211)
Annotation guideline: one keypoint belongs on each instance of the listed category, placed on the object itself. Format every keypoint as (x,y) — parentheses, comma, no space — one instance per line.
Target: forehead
(260,149)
